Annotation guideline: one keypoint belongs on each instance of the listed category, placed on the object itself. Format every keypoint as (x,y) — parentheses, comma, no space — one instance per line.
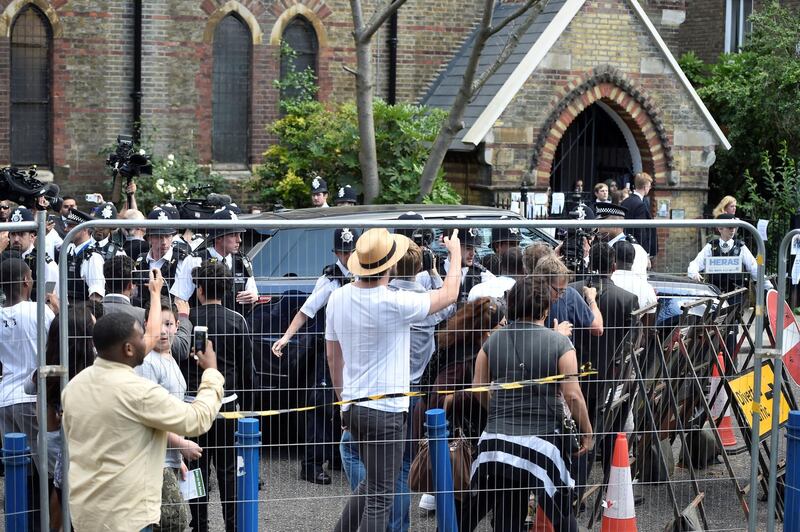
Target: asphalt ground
(287,503)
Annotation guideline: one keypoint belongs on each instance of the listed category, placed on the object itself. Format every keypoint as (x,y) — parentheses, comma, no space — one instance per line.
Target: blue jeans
(399,519)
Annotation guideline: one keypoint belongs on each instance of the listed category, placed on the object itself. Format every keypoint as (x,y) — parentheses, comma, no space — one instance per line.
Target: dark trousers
(508,503)
(323,430)
(218,447)
(380,438)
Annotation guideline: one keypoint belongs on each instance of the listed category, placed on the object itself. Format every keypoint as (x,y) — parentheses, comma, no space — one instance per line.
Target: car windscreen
(304,252)
(300,252)
(528,237)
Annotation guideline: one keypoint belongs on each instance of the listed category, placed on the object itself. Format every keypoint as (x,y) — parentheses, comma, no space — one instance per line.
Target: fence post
(436,424)
(791,509)
(17,457)
(248,442)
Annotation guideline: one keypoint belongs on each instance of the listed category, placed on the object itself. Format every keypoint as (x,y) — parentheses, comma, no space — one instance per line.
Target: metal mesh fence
(550,345)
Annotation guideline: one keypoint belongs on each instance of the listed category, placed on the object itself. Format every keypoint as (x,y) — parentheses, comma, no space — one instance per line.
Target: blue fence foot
(248,443)
(436,423)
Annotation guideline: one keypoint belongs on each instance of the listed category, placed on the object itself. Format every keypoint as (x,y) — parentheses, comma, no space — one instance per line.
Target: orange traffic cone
(725,427)
(537,521)
(619,514)
(541,523)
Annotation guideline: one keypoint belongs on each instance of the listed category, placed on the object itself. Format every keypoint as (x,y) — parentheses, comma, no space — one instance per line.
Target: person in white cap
(368,337)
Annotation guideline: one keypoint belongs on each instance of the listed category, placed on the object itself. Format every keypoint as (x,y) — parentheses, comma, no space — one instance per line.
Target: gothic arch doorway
(596,146)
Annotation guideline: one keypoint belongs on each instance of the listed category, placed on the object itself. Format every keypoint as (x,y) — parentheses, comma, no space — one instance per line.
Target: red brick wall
(704,29)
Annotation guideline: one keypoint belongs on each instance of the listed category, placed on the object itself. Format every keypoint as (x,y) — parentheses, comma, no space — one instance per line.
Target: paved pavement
(289,504)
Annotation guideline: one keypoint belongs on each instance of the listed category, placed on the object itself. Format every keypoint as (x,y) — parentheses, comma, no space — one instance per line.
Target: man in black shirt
(604,352)
(230,335)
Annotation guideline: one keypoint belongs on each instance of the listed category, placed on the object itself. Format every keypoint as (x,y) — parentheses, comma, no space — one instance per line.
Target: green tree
(753,94)
(315,139)
(775,196)
(176,177)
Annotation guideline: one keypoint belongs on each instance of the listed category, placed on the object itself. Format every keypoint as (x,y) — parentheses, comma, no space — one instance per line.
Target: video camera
(573,240)
(126,162)
(23,188)
(422,238)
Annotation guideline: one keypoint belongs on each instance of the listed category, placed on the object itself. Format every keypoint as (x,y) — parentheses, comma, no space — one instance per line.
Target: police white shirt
(156,264)
(183,287)
(52,241)
(50,269)
(641,261)
(103,243)
(323,289)
(748,261)
(91,268)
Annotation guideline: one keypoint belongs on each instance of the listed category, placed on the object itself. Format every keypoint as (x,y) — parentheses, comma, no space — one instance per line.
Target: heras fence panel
(534,350)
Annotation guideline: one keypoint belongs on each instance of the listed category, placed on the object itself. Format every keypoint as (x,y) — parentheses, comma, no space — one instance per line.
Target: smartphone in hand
(200,336)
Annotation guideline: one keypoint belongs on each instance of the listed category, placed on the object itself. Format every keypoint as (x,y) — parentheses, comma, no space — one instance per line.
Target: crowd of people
(141,407)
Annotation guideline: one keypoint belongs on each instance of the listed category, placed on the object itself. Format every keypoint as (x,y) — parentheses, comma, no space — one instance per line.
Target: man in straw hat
(367,337)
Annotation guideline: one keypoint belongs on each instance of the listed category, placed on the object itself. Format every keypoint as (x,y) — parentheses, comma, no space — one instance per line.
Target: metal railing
(758,355)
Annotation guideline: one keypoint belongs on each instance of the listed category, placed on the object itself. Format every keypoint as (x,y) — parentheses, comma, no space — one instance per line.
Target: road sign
(744,390)
(791,334)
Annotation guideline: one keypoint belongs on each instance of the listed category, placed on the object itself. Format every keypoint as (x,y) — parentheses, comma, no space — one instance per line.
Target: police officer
(472,271)
(319,192)
(191,211)
(85,277)
(727,245)
(105,237)
(346,197)
(320,437)
(165,254)
(503,238)
(612,235)
(23,242)
(222,245)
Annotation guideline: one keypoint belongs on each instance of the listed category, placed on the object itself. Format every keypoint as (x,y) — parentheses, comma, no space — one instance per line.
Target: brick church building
(199,74)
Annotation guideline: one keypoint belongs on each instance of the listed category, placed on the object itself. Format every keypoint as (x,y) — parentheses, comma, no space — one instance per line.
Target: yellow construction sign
(743,388)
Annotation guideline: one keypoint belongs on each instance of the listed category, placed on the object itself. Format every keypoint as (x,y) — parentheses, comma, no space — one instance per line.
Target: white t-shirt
(641,262)
(496,287)
(18,350)
(373,328)
(636,284)
(164,371)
